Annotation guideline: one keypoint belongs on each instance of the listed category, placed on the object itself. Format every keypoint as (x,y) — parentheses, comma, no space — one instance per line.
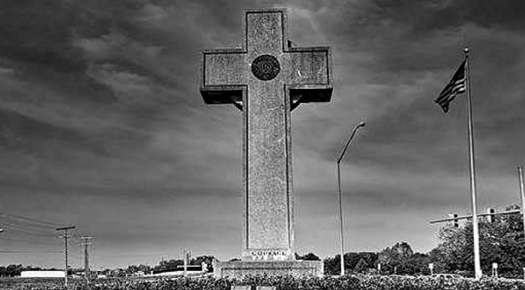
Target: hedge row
(290,283)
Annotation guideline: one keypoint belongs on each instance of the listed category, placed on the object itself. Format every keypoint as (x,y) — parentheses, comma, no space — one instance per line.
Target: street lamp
(362,124)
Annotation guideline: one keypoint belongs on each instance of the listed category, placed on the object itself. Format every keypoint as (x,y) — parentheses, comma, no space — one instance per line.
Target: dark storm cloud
(394,34)
(77,53)
(98,108)
(367,20)
(407,49)
(36,41)
(100,115)
(391,60)
(427,16)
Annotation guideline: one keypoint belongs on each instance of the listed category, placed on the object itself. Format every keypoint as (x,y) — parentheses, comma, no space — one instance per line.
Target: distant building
(191,270)
(42,274)
(138,274)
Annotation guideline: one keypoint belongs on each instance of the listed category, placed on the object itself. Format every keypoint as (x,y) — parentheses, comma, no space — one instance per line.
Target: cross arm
(214,95)
(222,78)
(309,78)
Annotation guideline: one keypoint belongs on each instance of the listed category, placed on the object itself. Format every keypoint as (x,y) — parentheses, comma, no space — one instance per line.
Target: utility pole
(86,241)
(65,237)
(186,257)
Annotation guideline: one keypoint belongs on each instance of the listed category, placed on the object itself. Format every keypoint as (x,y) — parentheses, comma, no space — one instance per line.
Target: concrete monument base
(240,269)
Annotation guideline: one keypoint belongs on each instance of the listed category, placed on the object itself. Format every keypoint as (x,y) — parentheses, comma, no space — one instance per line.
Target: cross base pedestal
(241,269)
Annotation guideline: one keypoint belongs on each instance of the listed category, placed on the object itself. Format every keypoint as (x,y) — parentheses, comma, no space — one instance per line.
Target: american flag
(454,87)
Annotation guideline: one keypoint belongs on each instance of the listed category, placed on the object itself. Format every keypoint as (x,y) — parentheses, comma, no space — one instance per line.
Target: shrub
(357,282)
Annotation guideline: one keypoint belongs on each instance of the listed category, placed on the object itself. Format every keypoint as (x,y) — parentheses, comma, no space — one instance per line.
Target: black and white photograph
(262,145)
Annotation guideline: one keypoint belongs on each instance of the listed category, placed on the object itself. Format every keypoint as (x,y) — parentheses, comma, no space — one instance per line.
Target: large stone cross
(267,78)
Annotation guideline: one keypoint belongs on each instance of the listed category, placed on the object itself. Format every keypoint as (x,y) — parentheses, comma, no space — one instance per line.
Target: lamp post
(362,124)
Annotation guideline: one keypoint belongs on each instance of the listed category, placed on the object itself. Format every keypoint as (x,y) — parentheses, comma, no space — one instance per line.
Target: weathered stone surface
(266,288)
(241,287)
(266,79)
(240,269)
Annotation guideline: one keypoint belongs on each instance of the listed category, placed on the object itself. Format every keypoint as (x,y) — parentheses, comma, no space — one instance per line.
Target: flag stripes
(457,85)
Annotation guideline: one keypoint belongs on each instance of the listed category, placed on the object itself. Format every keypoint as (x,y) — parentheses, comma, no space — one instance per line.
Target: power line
(37,221)
(25,241)
(24,224)
(30,251)
(132,255)
(10,228)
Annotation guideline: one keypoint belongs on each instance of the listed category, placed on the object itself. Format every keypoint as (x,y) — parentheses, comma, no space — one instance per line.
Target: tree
(351,260)
(13,270)
(166,266)
(132,269)
(332,266)
(138,268)
(173,265)
(119,273)
(369,257)
(206,259)
(307,257)
(396,258)
(361,266)
(144,268)
(416,264)
(402,258)
(501,241)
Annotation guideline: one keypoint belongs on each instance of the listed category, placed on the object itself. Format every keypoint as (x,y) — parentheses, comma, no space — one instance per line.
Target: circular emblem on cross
(265,67)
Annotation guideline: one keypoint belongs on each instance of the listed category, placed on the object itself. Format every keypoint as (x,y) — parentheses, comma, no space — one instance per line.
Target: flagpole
(470,130)
(522,195)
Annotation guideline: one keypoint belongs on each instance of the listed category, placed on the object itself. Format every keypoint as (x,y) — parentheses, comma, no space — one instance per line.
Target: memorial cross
(266,78)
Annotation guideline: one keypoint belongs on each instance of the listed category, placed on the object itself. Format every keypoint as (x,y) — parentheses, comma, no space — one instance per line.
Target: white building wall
(42,274)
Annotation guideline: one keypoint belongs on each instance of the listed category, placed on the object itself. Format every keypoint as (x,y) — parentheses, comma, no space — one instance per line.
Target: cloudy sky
(102,125)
